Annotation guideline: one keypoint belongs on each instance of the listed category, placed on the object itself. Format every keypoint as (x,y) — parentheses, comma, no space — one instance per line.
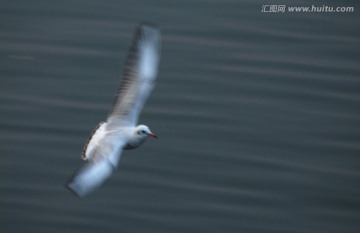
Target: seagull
(120,130)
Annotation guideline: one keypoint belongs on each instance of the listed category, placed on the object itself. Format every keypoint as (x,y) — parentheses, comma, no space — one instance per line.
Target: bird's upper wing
(139,76)
(97,169)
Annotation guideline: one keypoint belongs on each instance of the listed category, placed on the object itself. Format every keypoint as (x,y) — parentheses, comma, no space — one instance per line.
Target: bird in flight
(120,130)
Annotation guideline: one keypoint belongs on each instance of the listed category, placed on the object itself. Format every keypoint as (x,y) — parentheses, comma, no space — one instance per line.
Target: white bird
(104,147)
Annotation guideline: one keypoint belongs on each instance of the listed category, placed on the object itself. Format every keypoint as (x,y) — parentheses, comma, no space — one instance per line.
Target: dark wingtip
(70,180)
(67,186)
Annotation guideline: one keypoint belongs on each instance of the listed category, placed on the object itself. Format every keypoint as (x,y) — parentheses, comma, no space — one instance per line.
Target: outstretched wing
(90,177)
(98,168)
(139,76)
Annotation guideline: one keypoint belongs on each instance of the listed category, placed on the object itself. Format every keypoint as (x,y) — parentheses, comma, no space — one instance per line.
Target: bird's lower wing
(89,177)
(93,174)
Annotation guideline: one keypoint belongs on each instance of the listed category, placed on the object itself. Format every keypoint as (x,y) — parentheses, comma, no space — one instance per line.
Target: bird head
(145,131)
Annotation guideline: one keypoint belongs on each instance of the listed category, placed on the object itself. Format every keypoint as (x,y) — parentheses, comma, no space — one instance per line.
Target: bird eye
(143,131)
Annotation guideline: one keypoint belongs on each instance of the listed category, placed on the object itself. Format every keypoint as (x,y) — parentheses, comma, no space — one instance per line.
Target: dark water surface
(258,117)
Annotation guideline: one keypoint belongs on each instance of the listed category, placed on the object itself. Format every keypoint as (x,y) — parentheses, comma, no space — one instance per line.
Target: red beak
(152,135)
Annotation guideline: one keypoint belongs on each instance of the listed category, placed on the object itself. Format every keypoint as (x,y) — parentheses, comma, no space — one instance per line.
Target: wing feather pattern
(139,76)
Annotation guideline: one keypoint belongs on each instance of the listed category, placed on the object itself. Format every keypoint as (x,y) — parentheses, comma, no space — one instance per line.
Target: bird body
(103,150)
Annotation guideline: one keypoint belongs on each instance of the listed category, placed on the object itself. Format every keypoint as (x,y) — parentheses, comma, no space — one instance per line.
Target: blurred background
(257,114)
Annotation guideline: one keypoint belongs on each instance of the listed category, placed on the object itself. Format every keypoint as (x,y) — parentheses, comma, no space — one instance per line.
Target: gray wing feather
(139,76)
